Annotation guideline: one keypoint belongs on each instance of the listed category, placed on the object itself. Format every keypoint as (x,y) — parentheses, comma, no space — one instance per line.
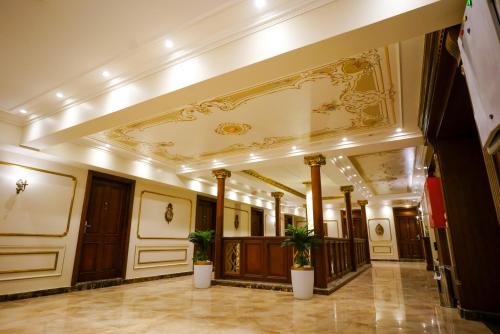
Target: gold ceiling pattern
(353,94)
(386,172)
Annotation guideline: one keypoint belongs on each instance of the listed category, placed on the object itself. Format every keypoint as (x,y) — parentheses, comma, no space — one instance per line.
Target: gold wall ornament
(275,183)
(21,186)
(315,160)
(233,129)
(379,230)
(169,213)
(347,189)
(236,221)
(221,173)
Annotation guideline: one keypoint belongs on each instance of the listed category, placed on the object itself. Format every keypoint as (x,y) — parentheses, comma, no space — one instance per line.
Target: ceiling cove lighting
(169,44)
(60,95)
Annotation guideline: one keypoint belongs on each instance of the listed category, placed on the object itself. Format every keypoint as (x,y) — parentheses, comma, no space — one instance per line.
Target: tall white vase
(303,283)
(202,274)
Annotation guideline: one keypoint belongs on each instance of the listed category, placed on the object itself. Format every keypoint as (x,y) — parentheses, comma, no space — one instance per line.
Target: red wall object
(434,195)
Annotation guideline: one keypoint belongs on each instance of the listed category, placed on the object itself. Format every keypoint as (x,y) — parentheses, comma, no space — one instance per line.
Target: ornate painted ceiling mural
(388,172)
(351,95)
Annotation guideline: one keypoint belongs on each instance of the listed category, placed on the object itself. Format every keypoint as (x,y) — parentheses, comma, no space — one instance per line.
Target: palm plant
(202,241)
(302,240)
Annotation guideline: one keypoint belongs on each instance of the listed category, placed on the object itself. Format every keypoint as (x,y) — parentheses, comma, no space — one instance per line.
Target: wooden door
(409,238)
(257,222)
(104,234)
(205,218)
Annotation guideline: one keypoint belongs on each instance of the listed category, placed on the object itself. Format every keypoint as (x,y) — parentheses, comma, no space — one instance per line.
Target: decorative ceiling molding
(329,198)
(274,183)
(364,102)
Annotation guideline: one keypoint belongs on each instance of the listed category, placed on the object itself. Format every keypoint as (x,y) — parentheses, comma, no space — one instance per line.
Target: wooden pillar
(320,255)
(277,209)
(364,222)
(221,175)
(348,215)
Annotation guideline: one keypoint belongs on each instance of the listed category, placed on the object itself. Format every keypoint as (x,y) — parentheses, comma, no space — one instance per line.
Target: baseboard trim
(88,286)
(478,315)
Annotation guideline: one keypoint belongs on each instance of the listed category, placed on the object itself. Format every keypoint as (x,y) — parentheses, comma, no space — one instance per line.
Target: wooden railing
(360,250)
(339,257)
(263,258)
(256,259)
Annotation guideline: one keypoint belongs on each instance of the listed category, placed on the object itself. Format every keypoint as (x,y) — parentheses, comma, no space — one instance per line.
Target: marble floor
(389,298)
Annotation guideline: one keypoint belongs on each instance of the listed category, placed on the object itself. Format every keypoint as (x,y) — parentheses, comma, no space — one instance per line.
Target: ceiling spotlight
(398,130)
(149,159)
(294,148)
(340,157)
(354,175)
(348,167)
(60,95)
(344,139)
(23,111)
(169,44)
(107,146)
(183,166)
(260,3)
(252,155)
(105,74)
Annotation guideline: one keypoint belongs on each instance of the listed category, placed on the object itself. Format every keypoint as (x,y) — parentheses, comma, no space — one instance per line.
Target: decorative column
(221,175)
(364,223)
(348,215)
(277,209)
(320,254)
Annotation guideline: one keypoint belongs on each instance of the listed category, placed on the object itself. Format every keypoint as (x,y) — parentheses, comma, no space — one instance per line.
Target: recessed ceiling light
(252,155)
(107,146)
(23,111)
(348,167)
(340,157)
(355,175)
(149,159)
(169,44)
(183,166)
(60,95)
(399,130)
(260,3)
(294,148)
(105,74)
(344,139)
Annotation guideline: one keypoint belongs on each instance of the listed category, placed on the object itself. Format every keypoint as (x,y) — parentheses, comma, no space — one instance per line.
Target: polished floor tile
(389,298)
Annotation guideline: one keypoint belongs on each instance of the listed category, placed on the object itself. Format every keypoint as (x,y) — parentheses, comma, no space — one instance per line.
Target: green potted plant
(202,264)
(302,240)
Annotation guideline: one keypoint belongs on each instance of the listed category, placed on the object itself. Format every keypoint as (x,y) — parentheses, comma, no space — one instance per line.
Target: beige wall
(383,247)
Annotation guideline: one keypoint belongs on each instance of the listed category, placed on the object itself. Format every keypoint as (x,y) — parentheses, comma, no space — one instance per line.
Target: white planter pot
(202,275)
(303,283)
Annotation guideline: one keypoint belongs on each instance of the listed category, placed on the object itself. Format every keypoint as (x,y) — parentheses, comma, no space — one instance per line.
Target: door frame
(130,204)
(406,212)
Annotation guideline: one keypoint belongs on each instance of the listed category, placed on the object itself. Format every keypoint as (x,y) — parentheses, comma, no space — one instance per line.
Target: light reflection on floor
(389,298)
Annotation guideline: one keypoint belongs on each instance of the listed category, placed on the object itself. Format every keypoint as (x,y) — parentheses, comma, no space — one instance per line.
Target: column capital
(347,189)
(277,194)
(363,202)
(315,160)
(221,173)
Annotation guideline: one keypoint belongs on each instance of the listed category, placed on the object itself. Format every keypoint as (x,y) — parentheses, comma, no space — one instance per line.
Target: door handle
(87,226)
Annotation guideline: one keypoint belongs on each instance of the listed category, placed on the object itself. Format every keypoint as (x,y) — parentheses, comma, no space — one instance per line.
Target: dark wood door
(257,222)
(205,218)
(409,238)
(104,235)
(357,225)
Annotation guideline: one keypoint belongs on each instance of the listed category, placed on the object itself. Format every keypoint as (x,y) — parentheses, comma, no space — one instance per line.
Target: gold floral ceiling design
(387,172)
(351,95)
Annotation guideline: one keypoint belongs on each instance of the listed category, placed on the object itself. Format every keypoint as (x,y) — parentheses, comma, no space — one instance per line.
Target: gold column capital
(363,202)
(221,173)
(315,160)
(277,194)
(347,189)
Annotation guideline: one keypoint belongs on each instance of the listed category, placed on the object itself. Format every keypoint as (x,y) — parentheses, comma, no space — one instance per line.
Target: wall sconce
(21,185)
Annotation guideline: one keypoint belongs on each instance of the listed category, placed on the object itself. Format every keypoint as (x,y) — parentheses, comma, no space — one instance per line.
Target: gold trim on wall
(171,196)
(161,263)
(390,230)
(70,207)
(339,235)
(375,252)
(274,183)
(54,266)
